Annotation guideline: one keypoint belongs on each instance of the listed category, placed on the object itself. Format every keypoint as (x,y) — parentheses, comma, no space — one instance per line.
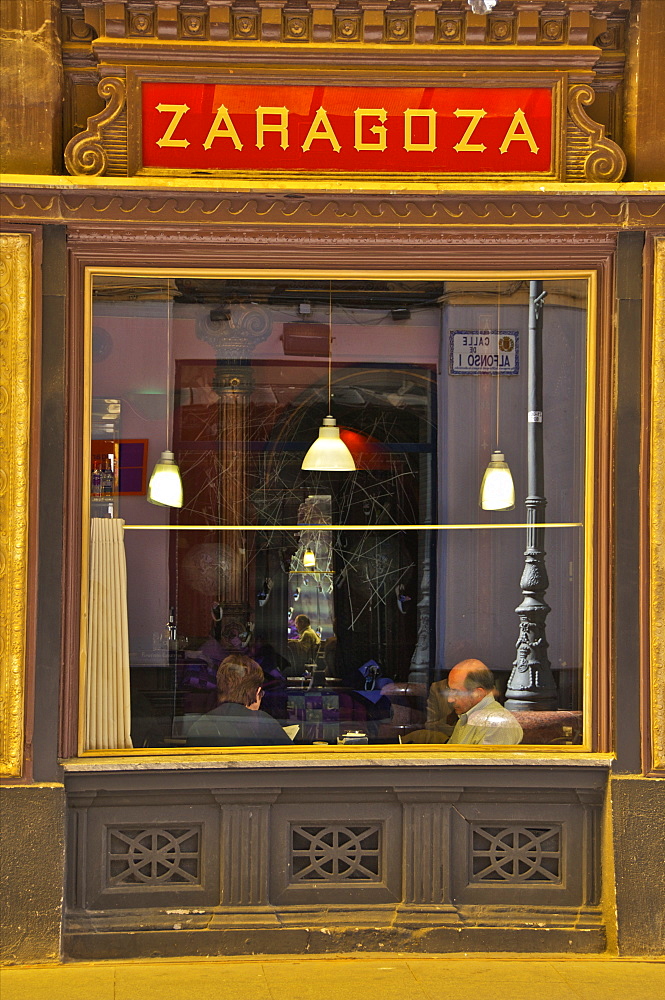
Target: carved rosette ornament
(590,155)
(88,152)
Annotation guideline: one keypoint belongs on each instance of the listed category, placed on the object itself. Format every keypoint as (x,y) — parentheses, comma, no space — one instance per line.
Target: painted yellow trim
(608,901)
(33,784)
(637,777)
(589,499)
(657,512)
(339,186)
(85,501)
(344,527)
(431,274)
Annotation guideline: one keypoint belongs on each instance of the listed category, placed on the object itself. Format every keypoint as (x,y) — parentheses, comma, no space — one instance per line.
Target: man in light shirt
(481,719)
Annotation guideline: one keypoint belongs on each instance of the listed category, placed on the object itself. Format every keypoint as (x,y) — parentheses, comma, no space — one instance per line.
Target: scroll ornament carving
(606,161)
(15,339)
(85,152)
(238,335)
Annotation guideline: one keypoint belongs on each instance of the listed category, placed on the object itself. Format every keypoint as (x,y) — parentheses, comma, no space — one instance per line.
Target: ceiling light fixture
(309,559)
(165,486)
(329,453)
(497,490)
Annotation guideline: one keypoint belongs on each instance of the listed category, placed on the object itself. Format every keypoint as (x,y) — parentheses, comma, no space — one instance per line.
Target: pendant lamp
(308,559)
(329,453)
(497,490)
(165,485)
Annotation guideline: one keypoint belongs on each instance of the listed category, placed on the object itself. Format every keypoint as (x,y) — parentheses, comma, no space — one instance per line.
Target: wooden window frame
(472,250)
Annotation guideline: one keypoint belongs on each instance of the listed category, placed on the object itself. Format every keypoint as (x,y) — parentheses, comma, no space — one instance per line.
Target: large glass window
(356,592)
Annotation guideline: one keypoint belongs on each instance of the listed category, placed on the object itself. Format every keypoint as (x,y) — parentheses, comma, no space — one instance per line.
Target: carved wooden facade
(400,22)
(579,45)
(420,855)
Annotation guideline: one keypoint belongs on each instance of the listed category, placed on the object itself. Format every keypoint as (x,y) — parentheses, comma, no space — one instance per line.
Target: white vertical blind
(108,708)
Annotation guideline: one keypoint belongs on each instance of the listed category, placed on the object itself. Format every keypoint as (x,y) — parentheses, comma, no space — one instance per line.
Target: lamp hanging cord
(329,347)
(498,370)
(168,365)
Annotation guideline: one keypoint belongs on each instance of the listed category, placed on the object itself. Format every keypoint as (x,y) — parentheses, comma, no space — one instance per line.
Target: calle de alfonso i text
(475,352)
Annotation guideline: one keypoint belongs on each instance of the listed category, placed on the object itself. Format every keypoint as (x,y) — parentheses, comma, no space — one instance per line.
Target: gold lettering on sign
(178,111)
(379,130)
(326,132)
(229,132)
(512,135)
(464,146)
(430,115)
(262,126)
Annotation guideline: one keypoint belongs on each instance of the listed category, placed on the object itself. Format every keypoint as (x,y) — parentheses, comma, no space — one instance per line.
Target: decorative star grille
(516,854)
(336,853)
(153,856)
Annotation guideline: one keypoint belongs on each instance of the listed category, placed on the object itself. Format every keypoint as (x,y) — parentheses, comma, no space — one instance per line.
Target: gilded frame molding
(593,731)
(657,516)
(15,434)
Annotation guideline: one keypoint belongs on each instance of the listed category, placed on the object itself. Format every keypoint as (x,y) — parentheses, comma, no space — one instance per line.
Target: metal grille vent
(336,853)
(515,854)
(153,856)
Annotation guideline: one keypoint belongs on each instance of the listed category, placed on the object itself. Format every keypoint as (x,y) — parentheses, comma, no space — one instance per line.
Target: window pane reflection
(351,613)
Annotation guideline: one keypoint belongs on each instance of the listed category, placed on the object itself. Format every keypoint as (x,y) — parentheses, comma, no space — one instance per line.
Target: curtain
(108,709)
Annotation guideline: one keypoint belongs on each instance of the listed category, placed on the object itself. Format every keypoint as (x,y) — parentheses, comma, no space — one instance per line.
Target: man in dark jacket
(237,720)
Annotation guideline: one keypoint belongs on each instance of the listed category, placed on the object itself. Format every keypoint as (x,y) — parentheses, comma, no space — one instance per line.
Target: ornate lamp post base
(531,685)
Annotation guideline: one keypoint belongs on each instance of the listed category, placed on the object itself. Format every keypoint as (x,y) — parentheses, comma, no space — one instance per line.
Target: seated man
(439,711)
(237,721)
(481,719)
(306,646)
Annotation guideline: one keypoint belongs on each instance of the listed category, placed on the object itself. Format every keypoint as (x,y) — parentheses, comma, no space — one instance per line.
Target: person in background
(481,719)
(237,719)
(306,646)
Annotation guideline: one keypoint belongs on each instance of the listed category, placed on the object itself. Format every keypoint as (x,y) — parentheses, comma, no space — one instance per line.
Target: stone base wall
(638,819)
(286,859)
(32,849)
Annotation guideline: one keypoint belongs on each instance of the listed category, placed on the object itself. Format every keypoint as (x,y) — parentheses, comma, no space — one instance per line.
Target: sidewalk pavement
(340,977)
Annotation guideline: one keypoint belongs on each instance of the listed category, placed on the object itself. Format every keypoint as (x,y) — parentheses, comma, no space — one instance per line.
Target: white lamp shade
(165,486)
(497,490)
(329,453)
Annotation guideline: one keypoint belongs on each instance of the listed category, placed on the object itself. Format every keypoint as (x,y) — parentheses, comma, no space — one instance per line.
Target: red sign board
(360,130)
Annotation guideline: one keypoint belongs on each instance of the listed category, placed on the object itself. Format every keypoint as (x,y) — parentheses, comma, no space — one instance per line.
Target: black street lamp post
(531,684)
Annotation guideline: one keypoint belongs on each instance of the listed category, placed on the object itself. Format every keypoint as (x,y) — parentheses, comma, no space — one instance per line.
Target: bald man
(481,720)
